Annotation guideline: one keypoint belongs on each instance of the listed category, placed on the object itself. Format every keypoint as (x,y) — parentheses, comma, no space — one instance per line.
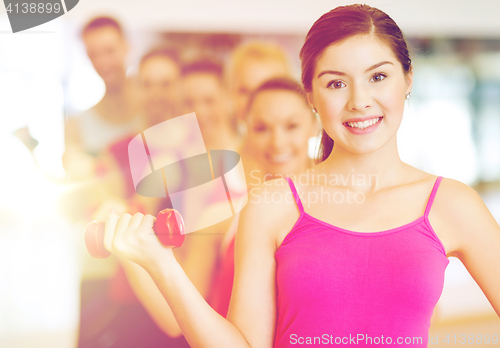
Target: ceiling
(456,18)
(462,18)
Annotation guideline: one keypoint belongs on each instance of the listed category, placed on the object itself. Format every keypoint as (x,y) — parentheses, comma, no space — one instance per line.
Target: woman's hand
(132,238)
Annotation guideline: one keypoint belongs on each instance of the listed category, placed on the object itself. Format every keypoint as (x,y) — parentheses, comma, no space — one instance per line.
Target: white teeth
(281,158)
(363,125)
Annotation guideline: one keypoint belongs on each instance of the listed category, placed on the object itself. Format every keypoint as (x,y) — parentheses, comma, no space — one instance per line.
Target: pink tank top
(336,286)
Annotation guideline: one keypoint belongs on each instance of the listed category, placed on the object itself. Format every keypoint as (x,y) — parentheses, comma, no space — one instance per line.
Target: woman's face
(279,125)
(159,79)
(252,73)
(360,80)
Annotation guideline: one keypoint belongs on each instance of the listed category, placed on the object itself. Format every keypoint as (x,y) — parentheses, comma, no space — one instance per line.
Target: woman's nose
(359,99)
(277,139)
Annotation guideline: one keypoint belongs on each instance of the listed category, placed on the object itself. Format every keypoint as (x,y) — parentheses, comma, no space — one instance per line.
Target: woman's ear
(309,100)
(317,126)
(409,79)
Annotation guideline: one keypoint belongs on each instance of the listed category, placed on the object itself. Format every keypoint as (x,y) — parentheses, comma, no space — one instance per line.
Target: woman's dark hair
(342,23)
(280,84)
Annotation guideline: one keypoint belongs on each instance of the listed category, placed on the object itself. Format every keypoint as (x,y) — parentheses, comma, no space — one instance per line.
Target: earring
(408,95)
(315,112)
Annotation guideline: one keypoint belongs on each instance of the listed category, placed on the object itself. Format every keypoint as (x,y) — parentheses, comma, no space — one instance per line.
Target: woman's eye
(259,129)
(336,84)
(378,77)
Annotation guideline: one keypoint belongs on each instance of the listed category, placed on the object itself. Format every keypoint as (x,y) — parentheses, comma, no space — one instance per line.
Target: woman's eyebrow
(343,74)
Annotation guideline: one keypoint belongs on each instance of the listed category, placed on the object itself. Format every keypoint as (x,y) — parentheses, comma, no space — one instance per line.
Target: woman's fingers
(132,237)
(121,227)
(147,223)
(132,232)
(135,221)
(109,230)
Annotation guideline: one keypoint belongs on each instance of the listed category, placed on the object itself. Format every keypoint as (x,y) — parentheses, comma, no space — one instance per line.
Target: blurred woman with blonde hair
(250,64)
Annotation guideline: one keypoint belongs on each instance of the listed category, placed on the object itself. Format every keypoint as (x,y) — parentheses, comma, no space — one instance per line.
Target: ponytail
(325,147)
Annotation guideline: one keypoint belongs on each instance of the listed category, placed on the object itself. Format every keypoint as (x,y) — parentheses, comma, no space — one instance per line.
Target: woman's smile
(279,158)
(362,127)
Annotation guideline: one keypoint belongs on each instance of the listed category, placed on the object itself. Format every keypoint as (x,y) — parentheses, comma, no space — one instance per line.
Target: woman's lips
(364,130)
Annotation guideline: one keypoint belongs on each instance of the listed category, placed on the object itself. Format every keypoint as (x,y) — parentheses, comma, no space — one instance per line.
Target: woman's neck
(223,139)
(367,172)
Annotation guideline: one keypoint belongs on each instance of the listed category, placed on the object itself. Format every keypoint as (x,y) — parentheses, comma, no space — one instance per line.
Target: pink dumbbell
(169,227)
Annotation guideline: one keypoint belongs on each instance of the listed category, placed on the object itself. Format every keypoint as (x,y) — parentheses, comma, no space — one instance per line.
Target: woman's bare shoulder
(458,201)
(269,209)
(452,196)
(269,200)
(457,194)
(458,211)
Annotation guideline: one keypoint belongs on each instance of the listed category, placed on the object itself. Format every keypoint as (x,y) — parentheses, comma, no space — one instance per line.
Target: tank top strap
(295,195)
(433,194)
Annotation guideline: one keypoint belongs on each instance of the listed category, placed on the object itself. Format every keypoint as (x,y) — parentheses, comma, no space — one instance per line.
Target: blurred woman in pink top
(279,127)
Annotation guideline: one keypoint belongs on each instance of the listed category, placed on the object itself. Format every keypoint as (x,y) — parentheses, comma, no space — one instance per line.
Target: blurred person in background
(159,81)
(279,128)
(250,64)
(159,98)
(115,115)
(139,314)
(279,123)
(204,93)
(87,161)
(89,134)
(274,143)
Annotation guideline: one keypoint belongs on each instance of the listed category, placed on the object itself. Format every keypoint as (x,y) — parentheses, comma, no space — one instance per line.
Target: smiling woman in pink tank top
(354,251)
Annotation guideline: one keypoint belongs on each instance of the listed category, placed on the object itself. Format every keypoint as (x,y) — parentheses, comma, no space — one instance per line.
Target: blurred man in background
(89,133)
(136,313)
(204,93)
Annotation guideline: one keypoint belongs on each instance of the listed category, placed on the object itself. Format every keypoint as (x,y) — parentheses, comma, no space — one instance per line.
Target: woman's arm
(252,310)
(151,298)
(476,235)
(198,265)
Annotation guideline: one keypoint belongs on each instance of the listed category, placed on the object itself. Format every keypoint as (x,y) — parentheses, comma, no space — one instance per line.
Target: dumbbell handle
(169,227)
